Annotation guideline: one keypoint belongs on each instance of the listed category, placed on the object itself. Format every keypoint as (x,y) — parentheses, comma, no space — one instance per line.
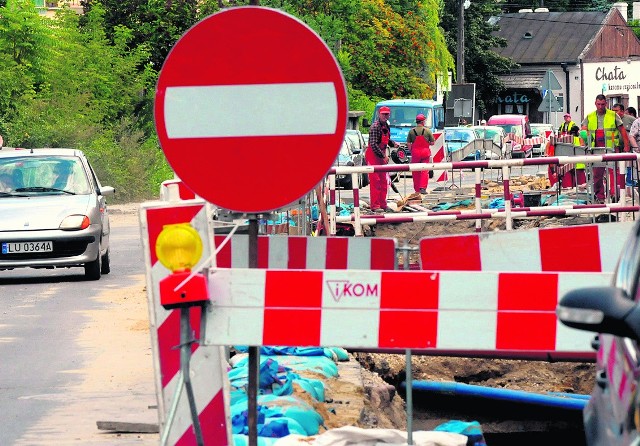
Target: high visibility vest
(609,128)
(578,142)
(566,127)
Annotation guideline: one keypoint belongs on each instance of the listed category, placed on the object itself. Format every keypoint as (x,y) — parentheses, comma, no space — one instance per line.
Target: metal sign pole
(254,352)
(408,371)
(549,94)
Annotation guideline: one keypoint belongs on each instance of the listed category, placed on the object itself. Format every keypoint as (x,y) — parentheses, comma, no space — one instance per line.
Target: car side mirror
(107,190)
(602,310)
(365,122)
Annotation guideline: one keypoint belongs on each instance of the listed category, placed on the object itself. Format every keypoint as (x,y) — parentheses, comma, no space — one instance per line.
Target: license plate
(26,247)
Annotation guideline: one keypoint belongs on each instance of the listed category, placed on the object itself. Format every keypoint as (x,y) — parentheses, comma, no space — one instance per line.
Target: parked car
(459,138)
(53,212)
(612,416)
(357,139)
(350,156)
(519,127)
(497,136)
(544,130)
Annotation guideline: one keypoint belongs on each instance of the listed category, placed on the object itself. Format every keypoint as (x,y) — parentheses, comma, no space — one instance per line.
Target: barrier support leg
(408,371)
(507,197)
(184,379)
(478,198)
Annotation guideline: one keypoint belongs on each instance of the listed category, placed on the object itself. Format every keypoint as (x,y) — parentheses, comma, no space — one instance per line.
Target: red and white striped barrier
(299,252)
(470,311)
(439,155)
(589,248)
(208,370)
(174,190)
(508,213)
(538,211)
(526,141)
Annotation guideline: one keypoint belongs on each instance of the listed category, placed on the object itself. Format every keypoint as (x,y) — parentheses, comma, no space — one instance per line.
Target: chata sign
(250,109)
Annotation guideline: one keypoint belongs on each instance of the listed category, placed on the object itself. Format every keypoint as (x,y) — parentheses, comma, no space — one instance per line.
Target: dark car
(349,155)
(612,416)
(53,212)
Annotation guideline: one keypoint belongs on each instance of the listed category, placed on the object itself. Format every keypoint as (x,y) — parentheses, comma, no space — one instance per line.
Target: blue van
(403,118)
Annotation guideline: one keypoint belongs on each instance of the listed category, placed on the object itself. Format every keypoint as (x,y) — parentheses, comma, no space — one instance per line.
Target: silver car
(53,212)
(612,416)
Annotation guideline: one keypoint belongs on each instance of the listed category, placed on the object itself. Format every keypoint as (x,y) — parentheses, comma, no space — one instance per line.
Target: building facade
(587,53)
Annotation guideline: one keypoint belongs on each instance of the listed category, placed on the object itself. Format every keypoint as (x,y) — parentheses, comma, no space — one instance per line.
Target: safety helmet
(421,118)
(384,109)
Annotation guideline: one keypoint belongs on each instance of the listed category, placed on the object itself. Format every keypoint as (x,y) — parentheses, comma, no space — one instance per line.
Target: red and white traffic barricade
(173,190)
(208,368)
(299,252)
(588,248)
(424,310)
(439,155)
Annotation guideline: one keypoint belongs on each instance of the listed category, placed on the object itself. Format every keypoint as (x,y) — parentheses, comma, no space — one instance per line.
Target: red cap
(384,109)
(421,118)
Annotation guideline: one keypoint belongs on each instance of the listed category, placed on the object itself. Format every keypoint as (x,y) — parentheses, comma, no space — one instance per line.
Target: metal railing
(618,161)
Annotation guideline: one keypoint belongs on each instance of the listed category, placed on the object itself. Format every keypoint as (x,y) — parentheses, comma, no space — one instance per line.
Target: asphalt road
(42,313)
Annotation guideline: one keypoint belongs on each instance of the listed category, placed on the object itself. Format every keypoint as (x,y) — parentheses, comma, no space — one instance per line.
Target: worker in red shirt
(419,141)
(376,155)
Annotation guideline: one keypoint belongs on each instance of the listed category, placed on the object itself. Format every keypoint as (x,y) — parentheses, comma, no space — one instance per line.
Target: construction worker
(604,128)
(566,126)
(419,141)
(376,155)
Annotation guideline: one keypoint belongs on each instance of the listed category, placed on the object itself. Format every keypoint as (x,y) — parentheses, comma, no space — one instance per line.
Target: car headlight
(75,223)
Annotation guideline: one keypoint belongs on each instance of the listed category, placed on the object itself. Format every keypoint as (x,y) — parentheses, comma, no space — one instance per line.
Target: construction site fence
(617,161)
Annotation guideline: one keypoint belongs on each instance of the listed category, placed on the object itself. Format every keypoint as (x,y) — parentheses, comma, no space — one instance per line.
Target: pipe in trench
(518,396)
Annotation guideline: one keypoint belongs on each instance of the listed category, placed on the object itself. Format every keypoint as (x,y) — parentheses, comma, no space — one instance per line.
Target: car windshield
(458,136)
(33,175)
(488,133)
(511,128)
(353,136)
(537,131)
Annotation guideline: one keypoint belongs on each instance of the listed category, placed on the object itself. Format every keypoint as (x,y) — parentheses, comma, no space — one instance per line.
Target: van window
(439,117)
(405,116)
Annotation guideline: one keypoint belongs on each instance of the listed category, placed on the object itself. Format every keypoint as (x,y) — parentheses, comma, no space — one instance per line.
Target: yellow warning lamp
(179,248)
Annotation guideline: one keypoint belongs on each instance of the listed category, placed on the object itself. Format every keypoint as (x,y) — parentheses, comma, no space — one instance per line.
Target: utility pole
(460,55)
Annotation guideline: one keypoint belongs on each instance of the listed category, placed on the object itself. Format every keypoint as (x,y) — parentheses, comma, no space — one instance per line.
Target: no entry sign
(250,109)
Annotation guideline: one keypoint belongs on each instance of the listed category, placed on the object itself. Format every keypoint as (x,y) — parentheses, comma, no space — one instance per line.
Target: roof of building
(547,37)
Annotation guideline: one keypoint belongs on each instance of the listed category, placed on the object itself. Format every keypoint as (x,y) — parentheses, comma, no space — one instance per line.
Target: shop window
(513,109)
(617,99)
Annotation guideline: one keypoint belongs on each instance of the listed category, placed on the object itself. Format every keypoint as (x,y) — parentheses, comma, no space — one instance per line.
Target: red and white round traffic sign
(250,109)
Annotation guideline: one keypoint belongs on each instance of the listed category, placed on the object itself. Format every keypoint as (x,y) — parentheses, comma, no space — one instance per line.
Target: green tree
(157,24)
(482,65)
(70,86)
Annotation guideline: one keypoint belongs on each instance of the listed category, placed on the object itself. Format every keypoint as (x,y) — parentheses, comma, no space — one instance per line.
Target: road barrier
(509,212)
(588,248)
(427,310)
(347,291)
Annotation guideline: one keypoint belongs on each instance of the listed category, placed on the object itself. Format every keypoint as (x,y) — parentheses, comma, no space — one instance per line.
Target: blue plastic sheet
(447,206)
(286,413)
(471,429)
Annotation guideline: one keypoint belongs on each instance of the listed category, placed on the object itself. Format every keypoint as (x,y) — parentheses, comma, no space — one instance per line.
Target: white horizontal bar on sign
(212,111)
